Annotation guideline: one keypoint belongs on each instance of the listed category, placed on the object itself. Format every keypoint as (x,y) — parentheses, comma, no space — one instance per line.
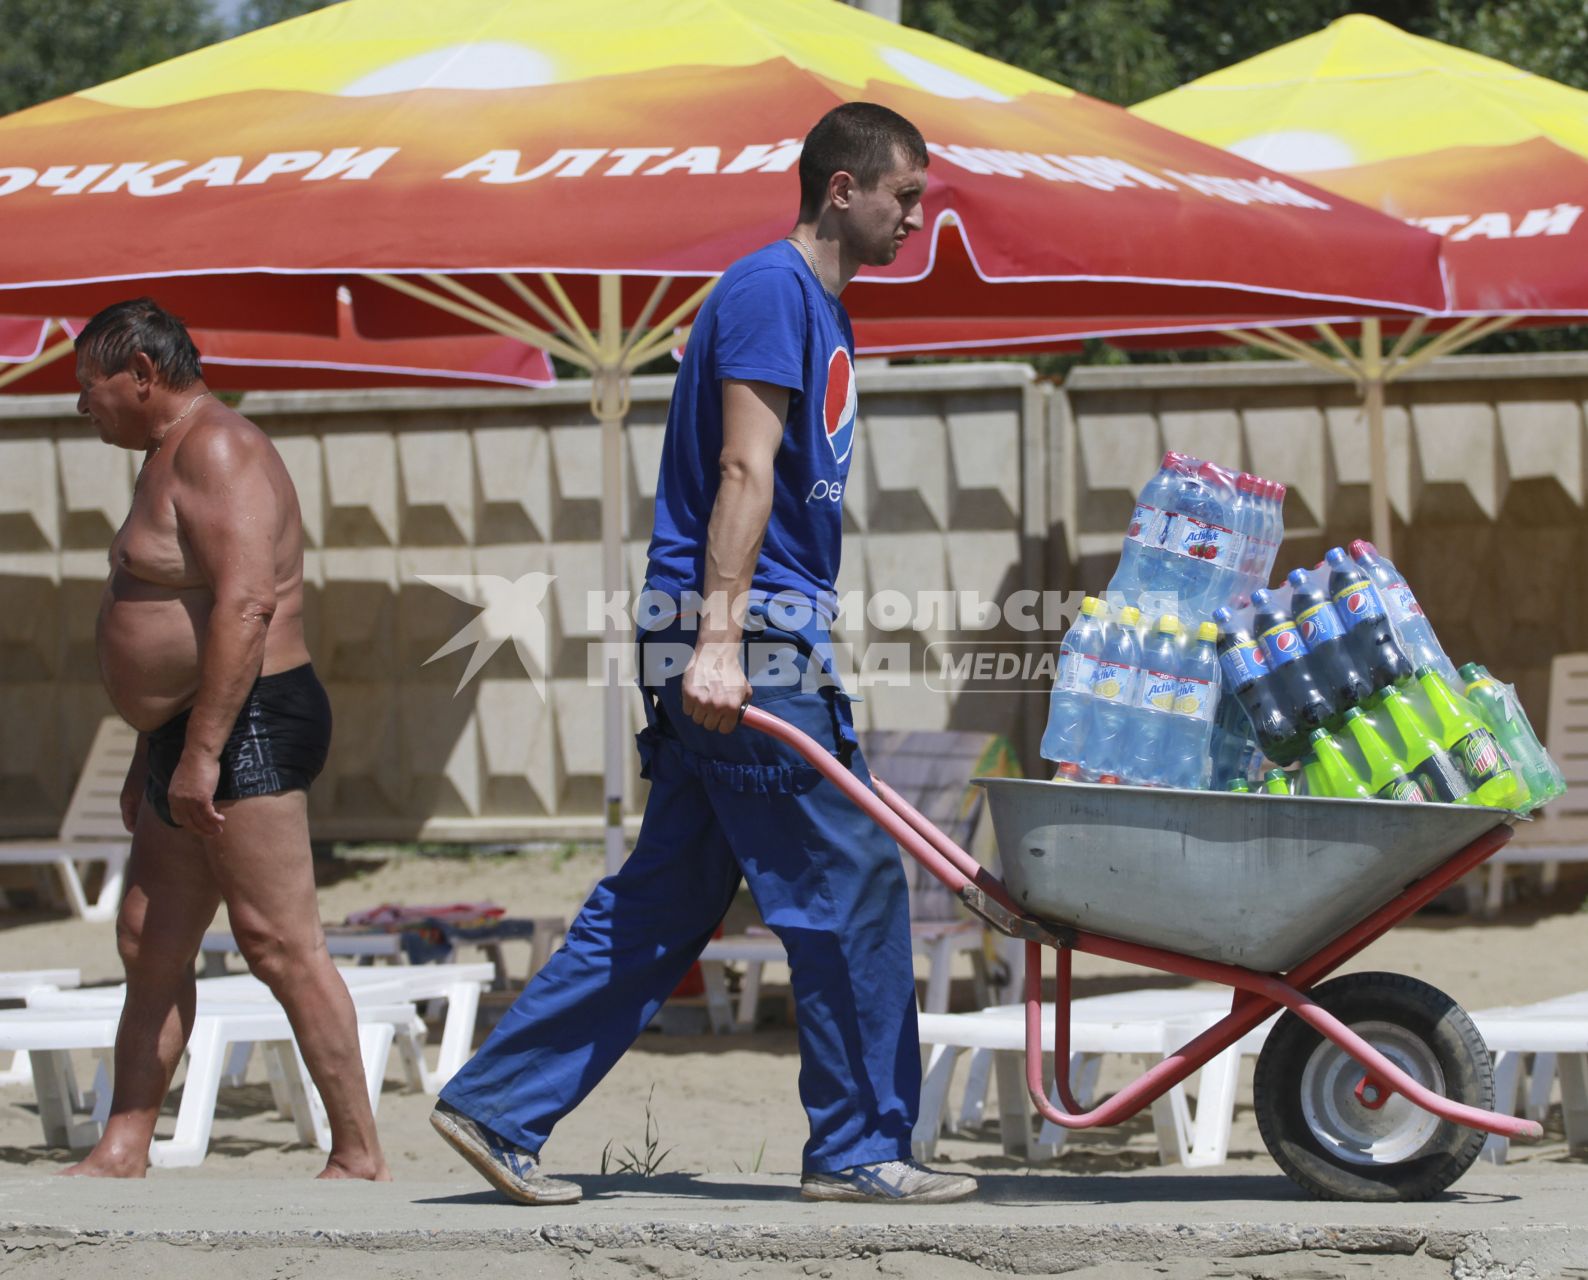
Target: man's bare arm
(753,413)
(227,511)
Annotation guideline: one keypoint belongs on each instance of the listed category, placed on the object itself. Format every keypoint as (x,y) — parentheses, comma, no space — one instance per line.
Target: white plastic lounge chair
(91,831)
(19,985)
(1147,1024)
(1533,1045)
(49,1034)
(1560,833)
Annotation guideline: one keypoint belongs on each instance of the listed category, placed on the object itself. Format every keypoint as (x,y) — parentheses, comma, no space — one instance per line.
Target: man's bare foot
(370,1170)
(98,1166)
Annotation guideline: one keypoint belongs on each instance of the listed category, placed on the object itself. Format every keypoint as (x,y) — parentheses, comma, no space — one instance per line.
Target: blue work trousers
(828,883)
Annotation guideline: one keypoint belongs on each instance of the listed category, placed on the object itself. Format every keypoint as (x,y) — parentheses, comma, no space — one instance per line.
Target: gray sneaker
(898,1180)
(507,1167)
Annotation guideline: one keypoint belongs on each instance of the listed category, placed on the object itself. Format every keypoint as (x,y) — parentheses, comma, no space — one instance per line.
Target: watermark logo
(510,609)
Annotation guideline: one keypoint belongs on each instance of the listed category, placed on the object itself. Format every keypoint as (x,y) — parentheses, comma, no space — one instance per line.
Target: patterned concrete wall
(1486,483)
(397,485)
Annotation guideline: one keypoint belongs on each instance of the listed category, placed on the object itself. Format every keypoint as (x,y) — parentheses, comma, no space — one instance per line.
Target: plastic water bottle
(1155,696)
(1233,747)
(1368,633)
(1185,747)
(1145,564)
(1247,516)
(1204,544)
(1114,680)
(1411,624)
(1070,703)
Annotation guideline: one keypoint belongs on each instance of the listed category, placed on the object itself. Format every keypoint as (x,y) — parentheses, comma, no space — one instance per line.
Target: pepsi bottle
(1322,632)
(1244,670)
(1368,634)
(1288,665)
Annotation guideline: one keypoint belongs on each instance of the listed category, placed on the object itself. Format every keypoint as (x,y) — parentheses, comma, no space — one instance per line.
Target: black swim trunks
(279,742)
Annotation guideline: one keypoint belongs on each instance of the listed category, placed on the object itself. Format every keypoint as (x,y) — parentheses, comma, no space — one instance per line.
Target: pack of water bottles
(1200,536)
(1339,673)
(1138,682)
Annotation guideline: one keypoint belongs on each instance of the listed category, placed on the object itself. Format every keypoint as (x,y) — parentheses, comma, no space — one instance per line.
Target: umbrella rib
(639,342)
(1341,349)
(48,356)
(1409,335)
(1282,344)
(514,327)
(560,297)
(526,295)
(1472,329)
(658,291)
(660,340)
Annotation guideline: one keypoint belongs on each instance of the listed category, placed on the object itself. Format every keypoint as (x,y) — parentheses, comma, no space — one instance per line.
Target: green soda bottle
(1328,773)
(1386,778)
(1421,755)
(1475,750)
(1276,783)
(1500,710)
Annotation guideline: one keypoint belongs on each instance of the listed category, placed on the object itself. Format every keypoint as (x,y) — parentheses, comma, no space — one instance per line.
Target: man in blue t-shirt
(744,558)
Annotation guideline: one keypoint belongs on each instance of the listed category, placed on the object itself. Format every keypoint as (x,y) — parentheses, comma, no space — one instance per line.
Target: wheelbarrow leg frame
(1257,995)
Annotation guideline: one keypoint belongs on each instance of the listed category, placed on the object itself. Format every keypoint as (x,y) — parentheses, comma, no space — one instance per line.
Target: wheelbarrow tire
(1332,1146)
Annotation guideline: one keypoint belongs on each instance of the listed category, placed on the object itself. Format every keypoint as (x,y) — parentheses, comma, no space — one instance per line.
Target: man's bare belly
(150,640)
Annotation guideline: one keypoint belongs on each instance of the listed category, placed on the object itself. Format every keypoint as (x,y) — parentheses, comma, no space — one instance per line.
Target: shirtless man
(201,648)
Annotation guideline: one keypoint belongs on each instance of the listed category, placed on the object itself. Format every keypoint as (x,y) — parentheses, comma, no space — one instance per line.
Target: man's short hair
(859,138)
(109,341)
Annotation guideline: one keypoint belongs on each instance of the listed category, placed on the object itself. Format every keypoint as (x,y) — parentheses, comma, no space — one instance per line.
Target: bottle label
(1156,691)
(1401,788)
(1075,672)
(1401,603)
(1113,681)
(1195,698)
(1358,602)
(1282,644)
(1242,663)
(1148,526)
(1480,758)
(1319,624)
(1441,779)
(1210,543)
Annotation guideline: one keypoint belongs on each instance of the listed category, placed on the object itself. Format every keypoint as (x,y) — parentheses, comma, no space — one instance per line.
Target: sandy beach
(727,1105)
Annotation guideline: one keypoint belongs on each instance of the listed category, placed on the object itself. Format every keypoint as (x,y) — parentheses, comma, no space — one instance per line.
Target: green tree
(51,48)
(266,13)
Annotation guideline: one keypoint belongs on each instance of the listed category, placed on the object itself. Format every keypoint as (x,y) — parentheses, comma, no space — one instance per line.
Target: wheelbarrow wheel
(1332,1145)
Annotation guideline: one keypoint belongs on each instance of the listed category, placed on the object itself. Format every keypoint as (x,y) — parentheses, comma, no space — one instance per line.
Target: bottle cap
(1169,624)
(1362,547)
(1092,607)
(1221,616)
(1208,631)
(1261,598)
(1336,558)
(1352,713)
(1279,493)
(1240,785)
(1068,772)
(1320,733)
(1172,461)
(1109,779)
(1130,615)
(1297,579)
(1471,671)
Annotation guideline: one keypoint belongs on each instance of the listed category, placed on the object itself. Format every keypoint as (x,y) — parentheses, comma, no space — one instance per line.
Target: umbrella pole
(610,401)
(1377,448)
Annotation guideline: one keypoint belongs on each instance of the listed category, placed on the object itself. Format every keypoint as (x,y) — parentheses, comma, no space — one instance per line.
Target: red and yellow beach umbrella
(36,359)
(574,174)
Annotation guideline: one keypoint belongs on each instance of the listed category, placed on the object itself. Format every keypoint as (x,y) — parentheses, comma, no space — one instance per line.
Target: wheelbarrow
(1371,1086)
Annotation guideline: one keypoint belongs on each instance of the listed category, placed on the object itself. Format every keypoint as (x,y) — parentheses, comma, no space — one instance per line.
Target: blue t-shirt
(768,320)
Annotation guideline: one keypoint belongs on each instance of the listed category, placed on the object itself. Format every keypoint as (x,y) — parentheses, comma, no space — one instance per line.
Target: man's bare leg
(170,900)
(265,871)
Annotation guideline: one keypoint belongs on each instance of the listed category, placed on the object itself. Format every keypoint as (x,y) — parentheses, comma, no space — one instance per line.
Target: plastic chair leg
(1540,1084)
(200,1088)
(1215,1113)
(935,1081)
(1573,1072)
(1507,1084)
(977,1082)
(457,1033)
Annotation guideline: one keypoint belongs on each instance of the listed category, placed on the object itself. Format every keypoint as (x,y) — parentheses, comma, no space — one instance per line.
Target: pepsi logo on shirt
(839,404)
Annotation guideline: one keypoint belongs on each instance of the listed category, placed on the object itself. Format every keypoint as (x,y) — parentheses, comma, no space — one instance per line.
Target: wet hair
(859,138)
(109,341)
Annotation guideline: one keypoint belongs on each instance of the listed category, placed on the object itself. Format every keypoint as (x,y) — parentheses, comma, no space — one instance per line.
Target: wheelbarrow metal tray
(1260,881)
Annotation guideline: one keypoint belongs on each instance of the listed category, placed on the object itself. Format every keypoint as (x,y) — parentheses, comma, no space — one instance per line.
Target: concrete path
(1524,1220)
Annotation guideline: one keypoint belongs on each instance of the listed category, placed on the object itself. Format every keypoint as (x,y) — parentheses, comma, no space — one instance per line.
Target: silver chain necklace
(176,420)
(808,255)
